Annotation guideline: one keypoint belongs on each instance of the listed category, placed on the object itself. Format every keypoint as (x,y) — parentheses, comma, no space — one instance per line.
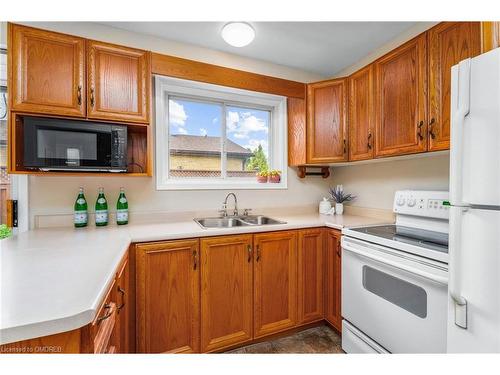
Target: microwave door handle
(438,279)
(460,109)
(455,250)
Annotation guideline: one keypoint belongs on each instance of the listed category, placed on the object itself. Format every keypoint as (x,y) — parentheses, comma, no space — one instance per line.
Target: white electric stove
(395,277)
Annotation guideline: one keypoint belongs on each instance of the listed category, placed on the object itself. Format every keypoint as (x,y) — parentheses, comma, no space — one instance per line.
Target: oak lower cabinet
(118,82)
(275,273)
(310,275)
(168,297)
(226,291)
(123,300)
(333,278)
(449,43)
(401,100)
(327,121)
(47,72)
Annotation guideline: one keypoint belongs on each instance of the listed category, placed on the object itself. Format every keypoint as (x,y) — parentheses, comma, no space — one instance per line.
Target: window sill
(220,185)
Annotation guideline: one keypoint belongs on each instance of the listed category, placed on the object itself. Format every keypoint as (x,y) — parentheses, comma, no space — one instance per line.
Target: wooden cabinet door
(47,72)
(361,111)
(327,121)
(333,278)
(168,295)
(490,35)
(226,291)
(118,82)
(401,100)
(275,273)
(310,275)
(449,43)
(123,301)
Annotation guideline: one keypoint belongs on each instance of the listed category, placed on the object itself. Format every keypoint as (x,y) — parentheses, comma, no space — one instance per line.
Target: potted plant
(275,176)
(5,231)
(262,177)
(340,197)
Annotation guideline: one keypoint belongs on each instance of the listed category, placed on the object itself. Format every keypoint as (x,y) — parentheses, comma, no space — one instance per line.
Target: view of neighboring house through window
(198,138)
(217,137)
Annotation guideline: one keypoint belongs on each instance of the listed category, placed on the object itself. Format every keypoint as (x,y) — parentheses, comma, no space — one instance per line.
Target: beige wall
(374,184)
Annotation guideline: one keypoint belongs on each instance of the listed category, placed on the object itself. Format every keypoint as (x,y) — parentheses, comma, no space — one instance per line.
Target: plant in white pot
(340,197)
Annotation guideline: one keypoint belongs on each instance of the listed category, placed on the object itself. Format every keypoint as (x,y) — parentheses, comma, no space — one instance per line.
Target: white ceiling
(324,48)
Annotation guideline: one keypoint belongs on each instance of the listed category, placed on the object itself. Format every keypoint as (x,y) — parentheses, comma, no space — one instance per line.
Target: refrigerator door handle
(455,250)
(460,109)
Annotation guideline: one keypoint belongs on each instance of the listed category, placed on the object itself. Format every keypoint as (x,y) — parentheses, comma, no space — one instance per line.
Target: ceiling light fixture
(238,34)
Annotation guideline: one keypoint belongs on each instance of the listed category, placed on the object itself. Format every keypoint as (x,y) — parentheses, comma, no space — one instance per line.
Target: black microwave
(70,145)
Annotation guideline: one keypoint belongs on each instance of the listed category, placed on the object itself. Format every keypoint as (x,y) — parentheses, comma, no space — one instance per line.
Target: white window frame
(166,87)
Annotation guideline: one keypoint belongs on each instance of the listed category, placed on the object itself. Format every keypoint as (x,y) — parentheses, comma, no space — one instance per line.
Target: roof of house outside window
(205,145)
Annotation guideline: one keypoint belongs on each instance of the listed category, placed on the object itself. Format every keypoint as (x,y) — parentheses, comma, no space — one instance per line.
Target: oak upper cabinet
(310,275)
(275,272)
(226,291)
(327,121)
(401,100)
(47,72)
(333,278)
(361,110)
(118,82)
(449,43)
(168,297)
(490,35)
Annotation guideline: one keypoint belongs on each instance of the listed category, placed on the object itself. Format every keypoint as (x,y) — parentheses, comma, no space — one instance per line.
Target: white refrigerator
(474,244)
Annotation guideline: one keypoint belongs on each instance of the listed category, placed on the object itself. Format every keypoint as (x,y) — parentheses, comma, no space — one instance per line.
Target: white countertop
(54,280)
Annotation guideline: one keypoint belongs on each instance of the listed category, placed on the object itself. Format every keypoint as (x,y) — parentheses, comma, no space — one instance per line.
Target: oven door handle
(438,279)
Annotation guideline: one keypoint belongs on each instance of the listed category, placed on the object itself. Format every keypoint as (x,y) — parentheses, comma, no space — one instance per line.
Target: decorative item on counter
(262,177)
(275,176)
(101,209)
(122,208)
(5,231)
(81,216)
(325,206)
(340,197)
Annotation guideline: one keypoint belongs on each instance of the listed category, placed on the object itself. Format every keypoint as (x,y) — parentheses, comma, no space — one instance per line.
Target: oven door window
(73,148)
(399,292)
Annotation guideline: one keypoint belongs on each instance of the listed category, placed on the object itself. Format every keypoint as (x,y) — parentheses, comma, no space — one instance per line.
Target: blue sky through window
(246,127)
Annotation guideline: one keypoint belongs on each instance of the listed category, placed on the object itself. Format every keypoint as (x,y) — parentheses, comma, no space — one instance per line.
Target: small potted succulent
(340,197)
(275,176)
(262,176)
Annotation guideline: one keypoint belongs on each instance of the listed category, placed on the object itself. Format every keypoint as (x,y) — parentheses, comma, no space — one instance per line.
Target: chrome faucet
(224,205)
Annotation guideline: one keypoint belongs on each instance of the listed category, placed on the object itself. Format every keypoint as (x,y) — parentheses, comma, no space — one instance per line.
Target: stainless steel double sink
(236,221)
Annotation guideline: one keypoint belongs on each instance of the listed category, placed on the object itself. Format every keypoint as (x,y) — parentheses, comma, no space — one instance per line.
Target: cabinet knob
(249,250)
(419,132)
(431,123)
(195,259)
(79,94)
(345,146)
(258,253)
(122,292)
(369,145)
(92,97)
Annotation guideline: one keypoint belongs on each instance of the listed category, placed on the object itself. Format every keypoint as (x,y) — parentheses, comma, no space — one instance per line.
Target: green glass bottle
(101,209)
(81,214)
(122,208)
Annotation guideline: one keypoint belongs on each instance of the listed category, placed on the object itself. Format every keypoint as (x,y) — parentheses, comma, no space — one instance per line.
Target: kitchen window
(215,137)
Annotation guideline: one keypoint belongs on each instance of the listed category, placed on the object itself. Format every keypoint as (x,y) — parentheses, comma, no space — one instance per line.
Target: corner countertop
(54,280)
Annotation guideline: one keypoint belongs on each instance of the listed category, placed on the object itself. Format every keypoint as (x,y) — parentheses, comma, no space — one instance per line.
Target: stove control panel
(433,204)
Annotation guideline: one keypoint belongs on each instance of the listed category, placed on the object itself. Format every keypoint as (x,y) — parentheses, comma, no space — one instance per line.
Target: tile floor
(314,340)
